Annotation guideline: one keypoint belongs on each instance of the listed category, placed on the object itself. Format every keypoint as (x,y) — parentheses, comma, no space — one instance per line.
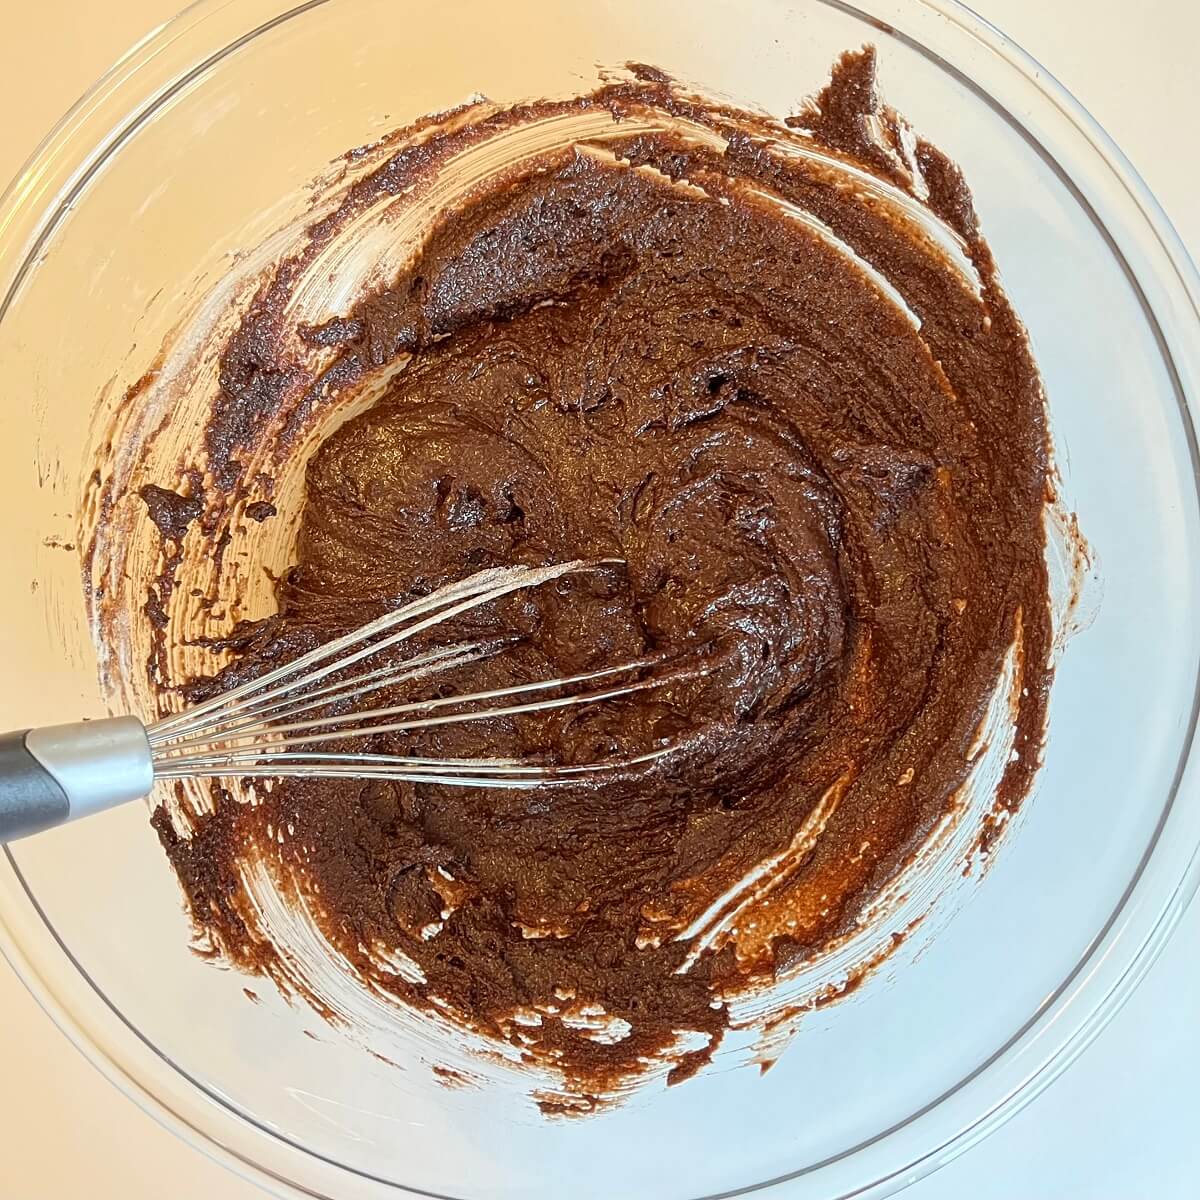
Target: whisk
(288,722)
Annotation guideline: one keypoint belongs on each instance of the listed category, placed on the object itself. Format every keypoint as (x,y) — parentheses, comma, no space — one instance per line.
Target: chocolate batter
(827,497)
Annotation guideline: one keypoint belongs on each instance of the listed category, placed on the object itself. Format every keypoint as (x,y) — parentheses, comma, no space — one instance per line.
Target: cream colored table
(1122,1124)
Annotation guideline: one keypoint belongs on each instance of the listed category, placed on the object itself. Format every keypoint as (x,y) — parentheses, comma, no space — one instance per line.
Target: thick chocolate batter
(828,503)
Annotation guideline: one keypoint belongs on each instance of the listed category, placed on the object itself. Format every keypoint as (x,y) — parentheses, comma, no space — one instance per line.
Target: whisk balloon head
(290,721)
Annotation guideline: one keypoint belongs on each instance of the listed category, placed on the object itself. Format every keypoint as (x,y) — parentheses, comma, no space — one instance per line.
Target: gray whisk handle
(60,772)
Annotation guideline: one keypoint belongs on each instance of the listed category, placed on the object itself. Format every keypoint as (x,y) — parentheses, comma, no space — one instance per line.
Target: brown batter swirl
(828,505)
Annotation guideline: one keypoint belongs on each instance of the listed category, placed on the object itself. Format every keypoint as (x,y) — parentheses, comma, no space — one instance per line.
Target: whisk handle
(60,772)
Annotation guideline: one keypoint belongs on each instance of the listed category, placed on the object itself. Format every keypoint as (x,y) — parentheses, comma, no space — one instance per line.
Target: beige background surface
(1121,1125)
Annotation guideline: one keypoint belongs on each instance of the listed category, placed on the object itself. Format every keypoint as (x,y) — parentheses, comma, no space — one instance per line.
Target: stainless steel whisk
(279,724)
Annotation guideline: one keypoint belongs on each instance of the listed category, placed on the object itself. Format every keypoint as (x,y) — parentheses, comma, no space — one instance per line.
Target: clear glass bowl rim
(1117,958)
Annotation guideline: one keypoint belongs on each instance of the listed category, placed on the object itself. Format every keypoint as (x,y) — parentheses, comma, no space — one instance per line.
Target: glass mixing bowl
(169,167)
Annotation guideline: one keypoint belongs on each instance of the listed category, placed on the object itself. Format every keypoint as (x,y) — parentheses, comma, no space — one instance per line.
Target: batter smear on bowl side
(768,368)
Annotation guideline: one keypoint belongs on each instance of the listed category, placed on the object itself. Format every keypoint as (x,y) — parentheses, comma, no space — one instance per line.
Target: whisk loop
(270,726)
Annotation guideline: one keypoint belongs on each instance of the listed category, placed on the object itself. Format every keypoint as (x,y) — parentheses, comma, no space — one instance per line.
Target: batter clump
(816,443)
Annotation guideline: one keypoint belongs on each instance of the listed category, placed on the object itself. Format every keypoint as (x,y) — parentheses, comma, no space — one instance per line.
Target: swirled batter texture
(816,442)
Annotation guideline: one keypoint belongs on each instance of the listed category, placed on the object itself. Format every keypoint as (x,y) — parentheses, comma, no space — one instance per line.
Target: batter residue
(815,437)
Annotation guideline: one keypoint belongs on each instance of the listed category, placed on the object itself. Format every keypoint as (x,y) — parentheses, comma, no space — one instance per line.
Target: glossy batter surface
(820,453)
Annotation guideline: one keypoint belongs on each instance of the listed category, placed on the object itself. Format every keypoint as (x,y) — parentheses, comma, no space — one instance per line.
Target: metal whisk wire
(270,726)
